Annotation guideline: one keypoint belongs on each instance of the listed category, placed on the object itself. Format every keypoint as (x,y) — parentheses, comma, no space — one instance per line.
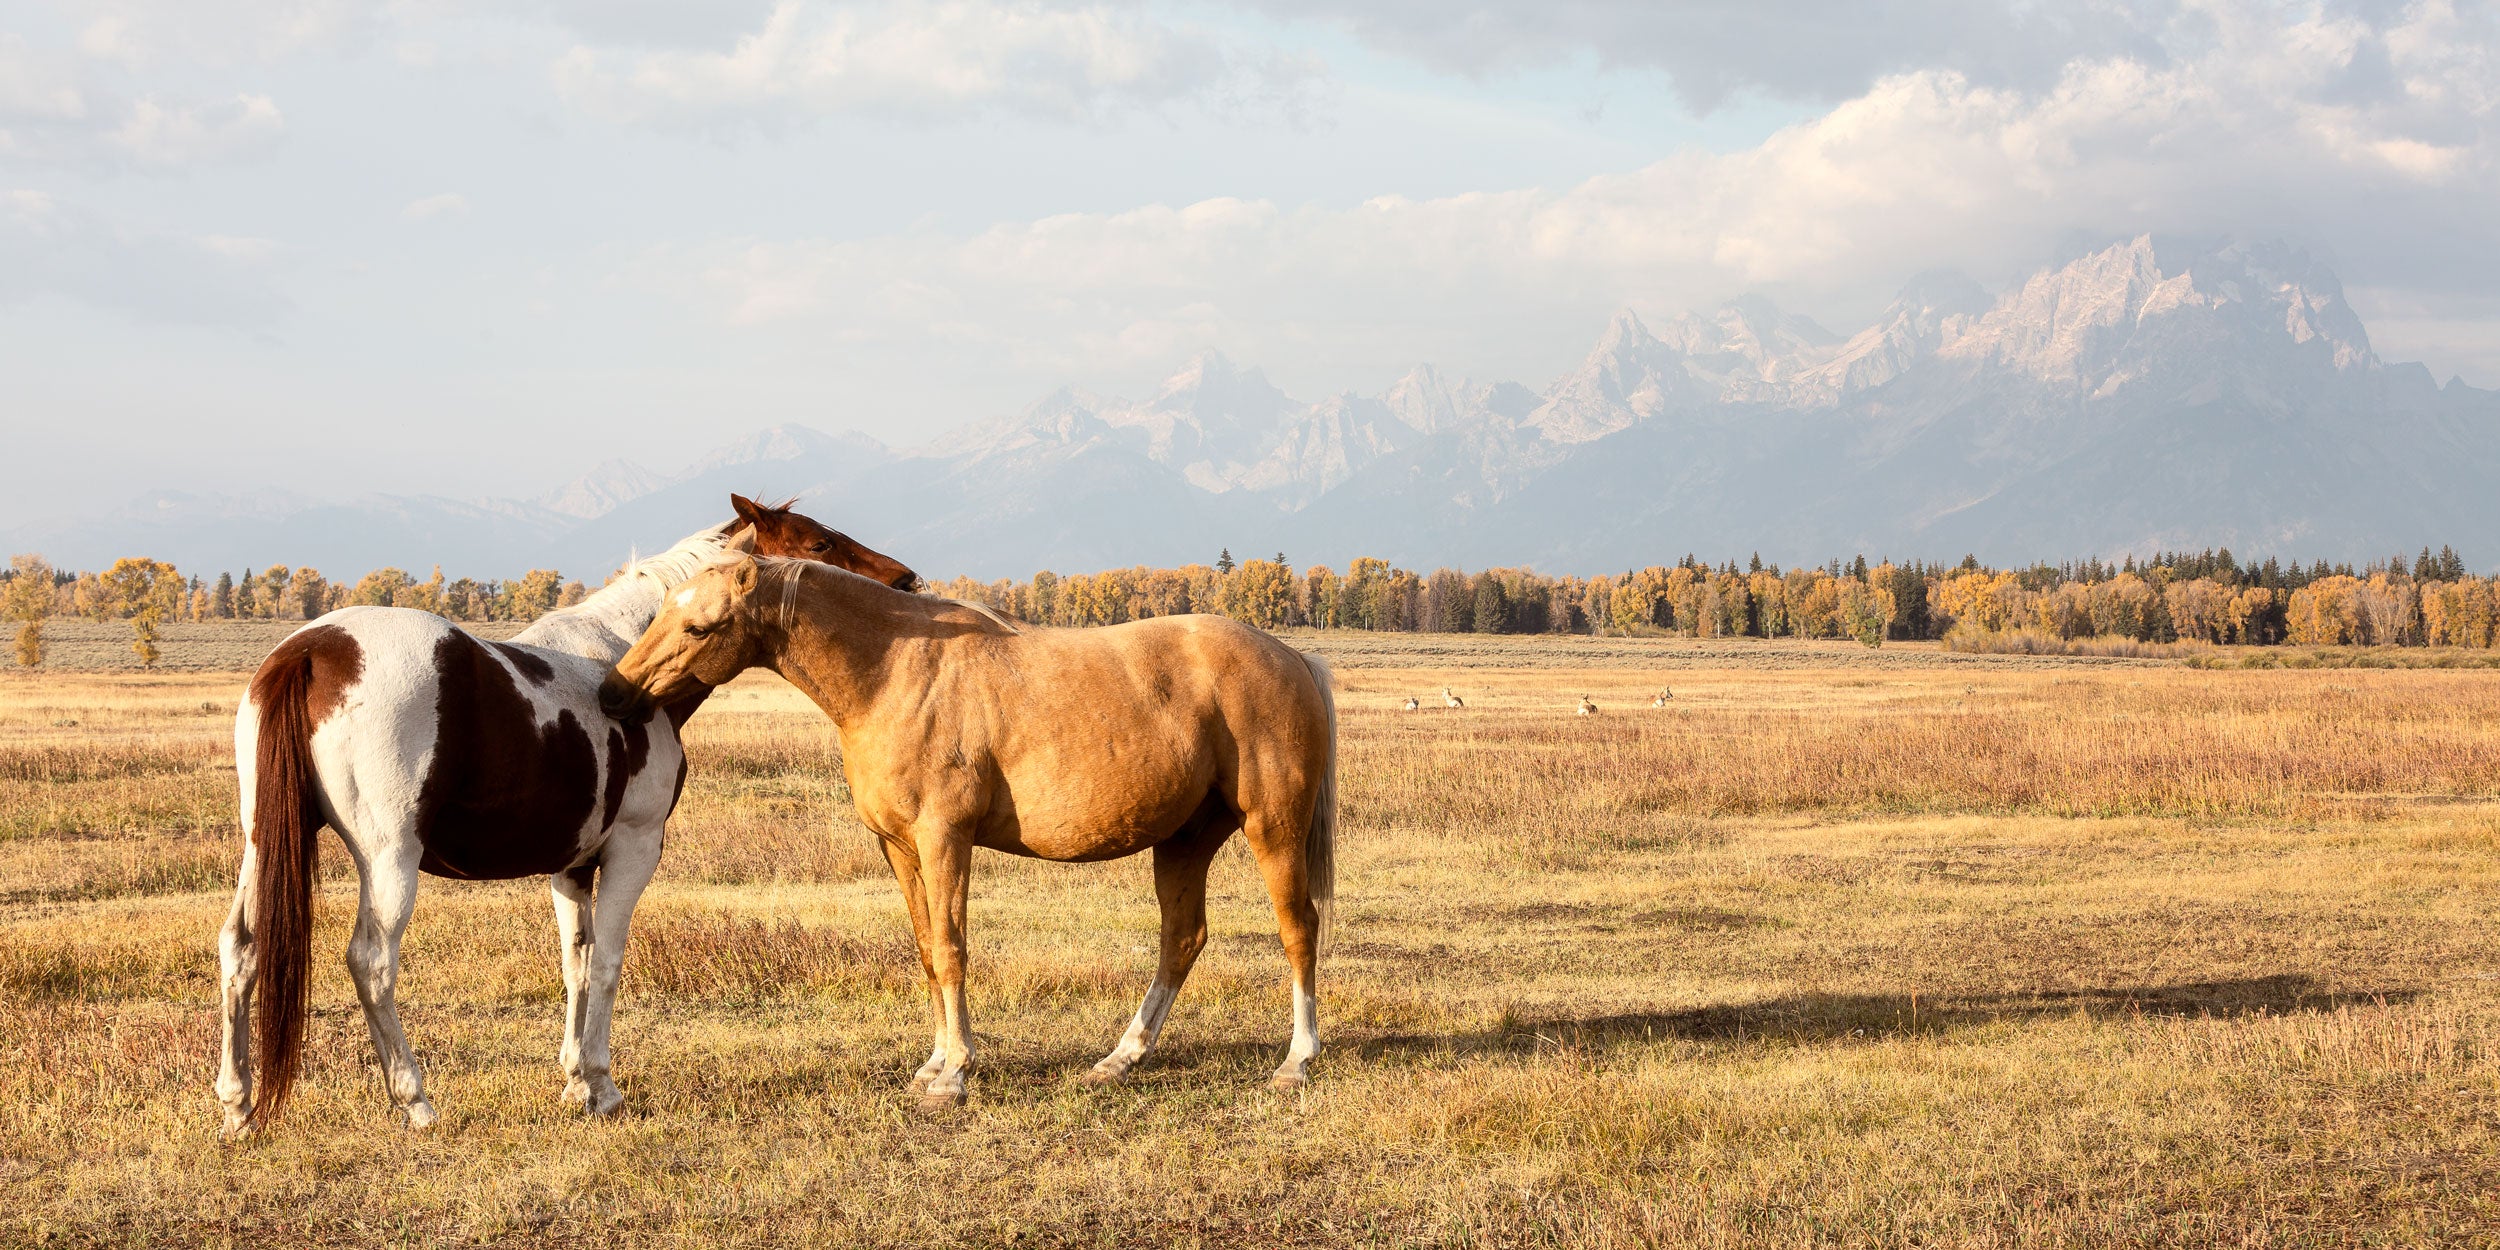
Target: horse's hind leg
(237,963)
(1279,847)
(1181,865)
(386,896)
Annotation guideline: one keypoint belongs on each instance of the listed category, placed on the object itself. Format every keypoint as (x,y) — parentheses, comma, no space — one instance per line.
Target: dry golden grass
(1901,951)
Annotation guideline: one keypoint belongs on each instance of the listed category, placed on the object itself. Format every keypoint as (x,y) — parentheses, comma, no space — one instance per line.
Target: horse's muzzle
(623,700)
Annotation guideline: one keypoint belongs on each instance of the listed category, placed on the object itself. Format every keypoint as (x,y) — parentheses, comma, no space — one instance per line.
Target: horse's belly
(1092,825)
(1069,846)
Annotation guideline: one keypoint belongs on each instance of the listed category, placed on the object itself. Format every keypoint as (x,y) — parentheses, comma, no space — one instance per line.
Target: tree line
(150,593)
(2210,596)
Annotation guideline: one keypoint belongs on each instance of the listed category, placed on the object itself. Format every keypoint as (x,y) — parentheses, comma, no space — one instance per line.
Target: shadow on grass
(1819,1018)
(1831,1017)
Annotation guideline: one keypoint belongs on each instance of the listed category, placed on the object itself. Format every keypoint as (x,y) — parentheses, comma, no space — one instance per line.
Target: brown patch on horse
(532,665)
(629,748)
(331,662)
(782,532)
(503,796)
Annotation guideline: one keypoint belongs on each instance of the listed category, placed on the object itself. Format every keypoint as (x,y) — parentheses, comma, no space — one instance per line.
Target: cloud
(2254,127)
(157,133)
(437,207)
(53,249)
(932,60)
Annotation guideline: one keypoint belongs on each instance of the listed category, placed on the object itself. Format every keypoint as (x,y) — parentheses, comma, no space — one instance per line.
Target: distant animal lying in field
(429,749)
(1075,745)
(1663,696)
(1451,700)
(1587,708)
(1412,705)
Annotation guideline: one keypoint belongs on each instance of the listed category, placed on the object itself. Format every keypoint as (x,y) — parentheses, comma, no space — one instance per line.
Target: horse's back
(494,755)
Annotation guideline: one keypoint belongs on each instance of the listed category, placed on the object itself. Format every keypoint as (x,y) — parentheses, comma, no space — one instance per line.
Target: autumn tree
(533,596)
(312,592)
(380,588)
(27,600)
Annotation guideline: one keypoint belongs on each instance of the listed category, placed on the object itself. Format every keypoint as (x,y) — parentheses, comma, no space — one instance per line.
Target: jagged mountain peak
(2109,314)
(600,491)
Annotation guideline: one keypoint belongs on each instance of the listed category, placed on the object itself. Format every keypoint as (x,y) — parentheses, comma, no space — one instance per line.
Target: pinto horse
(430,750)
(1072,745)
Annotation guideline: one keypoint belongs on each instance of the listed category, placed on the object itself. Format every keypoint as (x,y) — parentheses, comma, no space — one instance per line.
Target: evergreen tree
(1224,561)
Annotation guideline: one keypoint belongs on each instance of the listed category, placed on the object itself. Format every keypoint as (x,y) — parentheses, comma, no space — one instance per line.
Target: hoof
(421,1116)
(936,1104)
(600,1098)
(238,1127)
(1099,1076)
(1288,1083)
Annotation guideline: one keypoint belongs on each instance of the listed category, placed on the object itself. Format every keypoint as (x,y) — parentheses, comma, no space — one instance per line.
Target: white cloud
(437,207)
(157,133)
(931,59)
(2253,134)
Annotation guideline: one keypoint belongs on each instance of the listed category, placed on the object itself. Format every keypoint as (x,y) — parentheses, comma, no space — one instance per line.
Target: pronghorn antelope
(1664,695)
(1411,704)
(1168,734)
(1586,708)
(1451,700)
(429,749)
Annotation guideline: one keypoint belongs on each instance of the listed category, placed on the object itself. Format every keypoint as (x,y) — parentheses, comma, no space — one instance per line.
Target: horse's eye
(698,631)
(820,545)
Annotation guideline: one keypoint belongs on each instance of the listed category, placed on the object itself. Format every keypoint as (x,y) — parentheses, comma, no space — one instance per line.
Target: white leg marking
(1295,1071)
(1142,1031)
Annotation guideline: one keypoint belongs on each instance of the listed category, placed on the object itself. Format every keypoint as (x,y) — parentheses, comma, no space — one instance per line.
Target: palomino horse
(430,750)
(1072,745)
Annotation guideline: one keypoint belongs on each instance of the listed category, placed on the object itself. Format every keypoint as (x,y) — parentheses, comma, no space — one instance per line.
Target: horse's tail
(286,816)
(1319,852)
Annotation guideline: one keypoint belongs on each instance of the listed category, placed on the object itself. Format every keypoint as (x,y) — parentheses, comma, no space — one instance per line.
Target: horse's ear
(742,578)
(746,509)
(742,542)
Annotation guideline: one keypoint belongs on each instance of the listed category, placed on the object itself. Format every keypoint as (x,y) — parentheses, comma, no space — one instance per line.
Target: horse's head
(705,635)
(781,532)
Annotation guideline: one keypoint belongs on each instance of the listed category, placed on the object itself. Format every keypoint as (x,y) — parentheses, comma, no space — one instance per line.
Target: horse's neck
(603,627)
(838,638)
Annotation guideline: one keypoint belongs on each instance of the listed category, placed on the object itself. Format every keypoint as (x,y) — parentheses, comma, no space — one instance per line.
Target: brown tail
(286,816)
(1319,854)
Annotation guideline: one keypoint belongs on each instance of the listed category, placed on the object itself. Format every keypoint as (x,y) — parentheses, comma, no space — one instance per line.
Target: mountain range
(2149,394)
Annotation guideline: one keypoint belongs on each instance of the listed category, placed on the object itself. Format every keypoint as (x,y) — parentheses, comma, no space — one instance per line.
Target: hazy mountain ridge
(2145,394)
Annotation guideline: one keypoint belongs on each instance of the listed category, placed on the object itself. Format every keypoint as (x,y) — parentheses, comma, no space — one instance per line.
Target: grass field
(1840,948)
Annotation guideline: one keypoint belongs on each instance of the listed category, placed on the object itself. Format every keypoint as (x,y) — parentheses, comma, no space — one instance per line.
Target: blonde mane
(792,570)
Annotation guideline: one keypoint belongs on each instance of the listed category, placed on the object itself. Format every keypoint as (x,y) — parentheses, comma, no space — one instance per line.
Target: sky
(472,248)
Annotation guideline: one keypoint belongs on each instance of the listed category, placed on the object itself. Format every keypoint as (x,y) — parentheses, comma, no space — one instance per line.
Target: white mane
(605,625)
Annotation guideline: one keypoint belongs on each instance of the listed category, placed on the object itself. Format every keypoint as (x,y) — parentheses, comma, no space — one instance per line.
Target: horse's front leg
(946,884)
(625,867)
(571,891)
(905,861)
